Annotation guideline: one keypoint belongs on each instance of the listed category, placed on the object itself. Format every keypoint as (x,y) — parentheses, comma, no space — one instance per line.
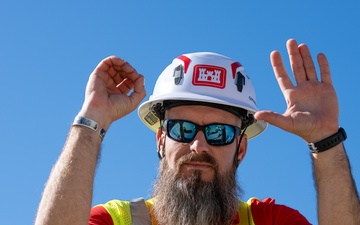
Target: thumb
(139,92)
(272,118)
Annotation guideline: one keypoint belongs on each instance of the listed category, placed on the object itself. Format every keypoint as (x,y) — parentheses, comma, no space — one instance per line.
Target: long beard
(190,200)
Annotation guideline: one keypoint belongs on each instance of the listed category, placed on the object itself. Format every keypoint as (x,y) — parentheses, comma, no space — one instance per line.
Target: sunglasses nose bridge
(199,143)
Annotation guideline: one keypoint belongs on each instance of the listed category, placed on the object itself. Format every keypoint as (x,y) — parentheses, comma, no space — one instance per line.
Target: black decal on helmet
(240,81)
(178,74)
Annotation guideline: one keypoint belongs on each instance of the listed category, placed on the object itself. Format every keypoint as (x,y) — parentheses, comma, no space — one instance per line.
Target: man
(203,121)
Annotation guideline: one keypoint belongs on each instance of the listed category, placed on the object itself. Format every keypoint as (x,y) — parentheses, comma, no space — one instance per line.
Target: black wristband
(328,142)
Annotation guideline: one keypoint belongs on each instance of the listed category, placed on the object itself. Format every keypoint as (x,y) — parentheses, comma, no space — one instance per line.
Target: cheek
(225,160)
(174,151)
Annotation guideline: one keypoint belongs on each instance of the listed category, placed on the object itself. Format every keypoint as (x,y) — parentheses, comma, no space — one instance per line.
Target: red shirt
(264,212)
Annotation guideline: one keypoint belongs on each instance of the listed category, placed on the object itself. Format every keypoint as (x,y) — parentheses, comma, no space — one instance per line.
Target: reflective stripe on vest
(136,212)
(139,212)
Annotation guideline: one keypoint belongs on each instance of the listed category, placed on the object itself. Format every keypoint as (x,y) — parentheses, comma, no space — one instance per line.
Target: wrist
(98,115)
(329,142)
(322,132)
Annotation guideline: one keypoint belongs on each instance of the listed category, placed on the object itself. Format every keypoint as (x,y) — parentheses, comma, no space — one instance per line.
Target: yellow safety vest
(136,212)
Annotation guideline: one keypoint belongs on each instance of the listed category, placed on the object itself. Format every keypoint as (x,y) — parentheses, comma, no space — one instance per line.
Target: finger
(125,86)
(115,66)
(107,72)
(296,61)
(124,71)
(324,69)
(139,92)
(308,63)
(281,75)
(106,64)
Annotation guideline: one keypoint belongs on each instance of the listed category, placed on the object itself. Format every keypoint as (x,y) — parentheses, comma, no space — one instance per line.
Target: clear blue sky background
(48,49)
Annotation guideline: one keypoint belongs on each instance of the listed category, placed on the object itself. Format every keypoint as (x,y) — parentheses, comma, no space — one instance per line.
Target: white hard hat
(204,78)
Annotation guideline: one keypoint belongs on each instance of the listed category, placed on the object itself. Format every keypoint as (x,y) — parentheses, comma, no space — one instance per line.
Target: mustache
(194,157)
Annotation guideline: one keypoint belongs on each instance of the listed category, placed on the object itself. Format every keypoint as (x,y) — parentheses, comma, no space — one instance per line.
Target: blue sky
(48,49)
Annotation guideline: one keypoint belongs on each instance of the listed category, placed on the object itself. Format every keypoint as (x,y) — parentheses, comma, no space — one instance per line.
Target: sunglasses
(217,134)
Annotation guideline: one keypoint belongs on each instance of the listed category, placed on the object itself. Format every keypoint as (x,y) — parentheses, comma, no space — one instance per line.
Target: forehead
(202,114)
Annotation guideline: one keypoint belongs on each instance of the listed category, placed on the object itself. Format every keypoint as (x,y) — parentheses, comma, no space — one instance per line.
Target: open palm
(312,106)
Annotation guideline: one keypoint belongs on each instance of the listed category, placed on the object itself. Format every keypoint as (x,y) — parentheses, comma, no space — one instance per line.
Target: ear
(160,141)
(243,148)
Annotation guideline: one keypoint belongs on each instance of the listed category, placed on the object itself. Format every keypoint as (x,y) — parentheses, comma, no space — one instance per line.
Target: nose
(199,144)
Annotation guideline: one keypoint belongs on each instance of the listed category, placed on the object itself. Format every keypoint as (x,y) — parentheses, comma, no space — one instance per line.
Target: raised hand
(312,106)
(114,89)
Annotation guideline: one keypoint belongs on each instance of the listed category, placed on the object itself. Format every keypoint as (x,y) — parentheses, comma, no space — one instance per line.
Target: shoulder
(109,213)
(267,211)
(100,216)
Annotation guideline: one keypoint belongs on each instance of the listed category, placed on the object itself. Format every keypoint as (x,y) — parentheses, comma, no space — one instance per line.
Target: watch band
(89,123)
(328,142)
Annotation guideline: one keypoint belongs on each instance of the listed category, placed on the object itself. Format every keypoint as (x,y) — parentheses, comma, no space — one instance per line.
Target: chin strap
(236,160)
(246,122)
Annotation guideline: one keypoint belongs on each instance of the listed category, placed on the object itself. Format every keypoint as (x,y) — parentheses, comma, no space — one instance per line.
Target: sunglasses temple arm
(237,161)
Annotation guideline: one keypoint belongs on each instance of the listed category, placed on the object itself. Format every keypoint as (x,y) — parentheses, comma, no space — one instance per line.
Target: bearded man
(203,110)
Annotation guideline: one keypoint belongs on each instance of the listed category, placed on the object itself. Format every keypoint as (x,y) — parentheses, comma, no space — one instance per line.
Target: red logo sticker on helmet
(207,75)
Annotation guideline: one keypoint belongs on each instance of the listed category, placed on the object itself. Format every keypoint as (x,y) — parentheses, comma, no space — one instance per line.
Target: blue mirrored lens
(220,134)
(181,131)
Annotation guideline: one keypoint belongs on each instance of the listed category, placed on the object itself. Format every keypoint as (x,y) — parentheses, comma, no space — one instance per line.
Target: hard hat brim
(144,110)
